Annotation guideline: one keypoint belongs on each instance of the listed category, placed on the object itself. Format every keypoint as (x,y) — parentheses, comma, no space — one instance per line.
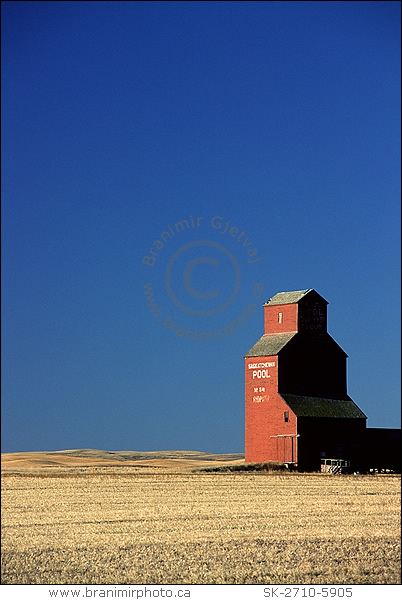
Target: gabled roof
(310,406)
(290,297)
(270,344)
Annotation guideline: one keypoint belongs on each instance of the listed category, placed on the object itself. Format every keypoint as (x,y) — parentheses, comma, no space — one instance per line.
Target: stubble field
(168,522)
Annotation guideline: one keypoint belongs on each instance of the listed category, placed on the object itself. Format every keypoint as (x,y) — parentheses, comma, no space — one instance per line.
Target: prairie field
(162,519)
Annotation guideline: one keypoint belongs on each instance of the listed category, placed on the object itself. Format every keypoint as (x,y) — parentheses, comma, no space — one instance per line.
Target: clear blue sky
(272,128)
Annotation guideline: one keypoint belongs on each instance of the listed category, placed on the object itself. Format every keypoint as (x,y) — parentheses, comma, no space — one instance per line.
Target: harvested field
(167,524)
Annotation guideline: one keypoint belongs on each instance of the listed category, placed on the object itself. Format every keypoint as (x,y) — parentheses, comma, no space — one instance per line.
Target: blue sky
(270,131)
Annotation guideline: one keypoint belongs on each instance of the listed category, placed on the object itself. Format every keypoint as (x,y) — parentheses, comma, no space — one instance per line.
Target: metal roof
(289,297)
(310,406)
(270,344)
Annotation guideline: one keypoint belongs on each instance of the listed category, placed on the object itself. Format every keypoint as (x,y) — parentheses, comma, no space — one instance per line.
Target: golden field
(87,517)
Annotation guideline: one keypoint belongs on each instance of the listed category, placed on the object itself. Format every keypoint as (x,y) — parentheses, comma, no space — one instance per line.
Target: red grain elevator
(297,407)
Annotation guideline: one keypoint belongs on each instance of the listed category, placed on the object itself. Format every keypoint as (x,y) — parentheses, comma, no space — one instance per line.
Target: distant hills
(92,458)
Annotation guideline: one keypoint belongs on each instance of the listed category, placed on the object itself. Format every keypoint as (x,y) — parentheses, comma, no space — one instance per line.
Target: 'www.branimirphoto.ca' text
(196,334)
